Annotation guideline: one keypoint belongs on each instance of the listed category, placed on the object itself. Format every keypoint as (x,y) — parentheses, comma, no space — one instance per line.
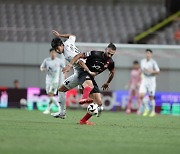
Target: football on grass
(92,109)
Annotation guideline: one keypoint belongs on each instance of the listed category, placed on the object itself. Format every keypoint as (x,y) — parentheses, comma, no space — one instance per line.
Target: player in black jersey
(96,61)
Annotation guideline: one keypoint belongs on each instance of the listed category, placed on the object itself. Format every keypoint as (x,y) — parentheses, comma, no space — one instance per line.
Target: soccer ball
(92,109)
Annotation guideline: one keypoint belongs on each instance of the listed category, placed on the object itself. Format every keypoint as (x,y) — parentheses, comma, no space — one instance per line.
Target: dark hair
(112,46)
(135,62)
(16,81)
(149,50)
(56,42)
(50,50)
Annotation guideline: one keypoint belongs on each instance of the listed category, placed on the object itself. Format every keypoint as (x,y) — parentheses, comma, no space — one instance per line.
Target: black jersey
(96,62)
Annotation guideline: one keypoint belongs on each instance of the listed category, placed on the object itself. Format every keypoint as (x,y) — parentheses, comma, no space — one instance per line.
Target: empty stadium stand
(166,35)
(32,21)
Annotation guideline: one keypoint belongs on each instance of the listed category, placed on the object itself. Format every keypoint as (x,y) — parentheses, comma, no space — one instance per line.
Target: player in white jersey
(52,66)
(69,50)
(150,69)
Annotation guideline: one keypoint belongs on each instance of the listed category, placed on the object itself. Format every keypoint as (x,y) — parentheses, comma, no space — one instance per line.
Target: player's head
(16,84)
(110,50)
(58,45)
(135,64)
(148,54)
(52,53)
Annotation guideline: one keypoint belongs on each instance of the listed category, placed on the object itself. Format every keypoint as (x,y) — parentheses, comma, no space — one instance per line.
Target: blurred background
(133,25)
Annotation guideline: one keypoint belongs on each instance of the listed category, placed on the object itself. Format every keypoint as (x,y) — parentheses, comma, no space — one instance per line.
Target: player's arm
(111,76)
(155,70)
(68,67)
(43,66)
(43,69)
(76,59)
(56,33)
(83,65)
(65,75)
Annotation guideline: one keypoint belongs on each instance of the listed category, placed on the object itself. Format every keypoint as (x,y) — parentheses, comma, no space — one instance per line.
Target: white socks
(153,104)
(50,104)
(62,102)
(145,103)
(53,100)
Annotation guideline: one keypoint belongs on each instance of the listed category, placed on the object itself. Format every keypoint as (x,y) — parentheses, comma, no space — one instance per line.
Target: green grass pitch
(31,132)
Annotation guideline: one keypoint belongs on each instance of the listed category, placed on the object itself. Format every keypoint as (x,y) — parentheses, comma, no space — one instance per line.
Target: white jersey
(152,65)
(54,69)
(70,51)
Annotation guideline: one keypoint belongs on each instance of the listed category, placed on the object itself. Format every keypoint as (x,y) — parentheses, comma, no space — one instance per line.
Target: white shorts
(72,81)
(51,88)
(76,79)
(149,88)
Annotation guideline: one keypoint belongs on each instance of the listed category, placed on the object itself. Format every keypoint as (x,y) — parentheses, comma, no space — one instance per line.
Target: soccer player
(52,66)
(96,61)
(134,83)
(69,50)
(150,69)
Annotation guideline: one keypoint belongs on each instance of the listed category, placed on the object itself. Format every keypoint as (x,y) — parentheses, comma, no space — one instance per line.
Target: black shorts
(86,76)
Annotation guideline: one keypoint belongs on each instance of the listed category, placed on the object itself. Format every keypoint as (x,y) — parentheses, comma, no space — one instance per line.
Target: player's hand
(43,69)
(93,74)
(56,33)
(105,86)
(147,71)
(150,71)
(66,69)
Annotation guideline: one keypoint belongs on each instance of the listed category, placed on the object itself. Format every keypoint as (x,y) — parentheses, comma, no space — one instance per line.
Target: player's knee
(141,96)
(62,89)
(50,94)
(88,83)
(151,98)
(99,101)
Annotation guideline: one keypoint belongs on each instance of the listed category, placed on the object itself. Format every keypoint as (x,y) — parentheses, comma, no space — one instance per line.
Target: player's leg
(96,96)
(87,88)
(47,111)
(138,101)
(131,95)
(61,103)
(87,85)
(152,100)
(50,95)
(54,91)
(142,92)
(68,84)
(87,116)
(97,99)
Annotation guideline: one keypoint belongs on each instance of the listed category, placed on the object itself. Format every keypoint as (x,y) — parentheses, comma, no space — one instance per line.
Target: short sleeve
(72,39)
(43,65)
(111,66)
(156,67)
(141,65)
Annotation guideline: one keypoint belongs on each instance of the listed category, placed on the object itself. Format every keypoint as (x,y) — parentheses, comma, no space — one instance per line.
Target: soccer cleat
(58,115)
(100,109)
(145,112)
(152,114)
(46,112)
(86,123)
(85,100)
